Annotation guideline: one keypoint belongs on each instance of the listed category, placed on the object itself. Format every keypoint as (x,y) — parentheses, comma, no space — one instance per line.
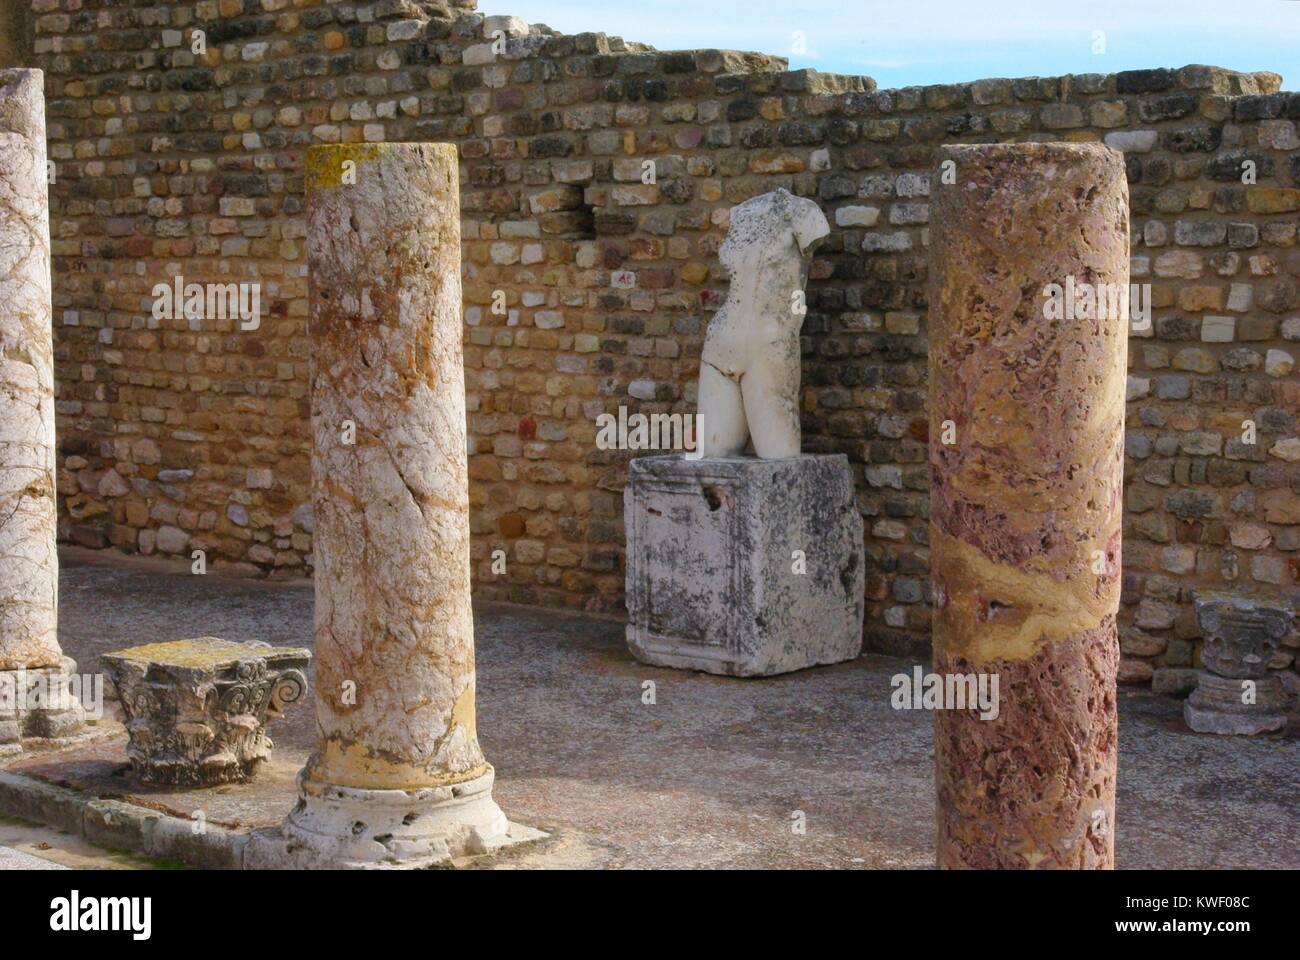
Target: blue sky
(902,42)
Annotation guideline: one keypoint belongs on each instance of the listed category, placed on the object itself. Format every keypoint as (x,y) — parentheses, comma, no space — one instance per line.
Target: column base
(1216,706)
(37,709)
(339,827)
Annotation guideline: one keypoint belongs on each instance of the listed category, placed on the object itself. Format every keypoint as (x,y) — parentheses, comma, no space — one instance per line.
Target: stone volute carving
(749,370)
(196,710)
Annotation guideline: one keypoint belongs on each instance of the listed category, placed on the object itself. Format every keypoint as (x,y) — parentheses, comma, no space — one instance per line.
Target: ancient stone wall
(183,434)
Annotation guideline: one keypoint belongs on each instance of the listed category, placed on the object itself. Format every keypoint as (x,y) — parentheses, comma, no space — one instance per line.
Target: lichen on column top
(29,568)
(1026,499)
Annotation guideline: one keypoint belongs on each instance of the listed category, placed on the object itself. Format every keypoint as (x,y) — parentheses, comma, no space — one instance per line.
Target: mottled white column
(398,774)
(29,565)
(34,683)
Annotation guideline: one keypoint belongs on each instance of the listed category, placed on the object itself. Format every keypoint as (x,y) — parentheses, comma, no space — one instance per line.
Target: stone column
(397,775)
(29,566)
(1026,451)
(32,667)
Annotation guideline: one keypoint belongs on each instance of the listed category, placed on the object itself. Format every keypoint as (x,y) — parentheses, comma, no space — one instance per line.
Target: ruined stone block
(196,710)
(743,567)
(1236,693)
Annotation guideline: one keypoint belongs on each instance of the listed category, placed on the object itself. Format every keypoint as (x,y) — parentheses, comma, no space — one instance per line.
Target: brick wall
(182,435)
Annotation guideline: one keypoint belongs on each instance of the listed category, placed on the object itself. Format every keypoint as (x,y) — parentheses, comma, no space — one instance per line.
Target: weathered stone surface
(398,774)
(749,370)
(196,710)
(1218,705)
(1241,633)
(1235,691)
(1026,501)
(1132,141)
(29,566)
(1174,681)
(39,704)
(715,547)
(508,25)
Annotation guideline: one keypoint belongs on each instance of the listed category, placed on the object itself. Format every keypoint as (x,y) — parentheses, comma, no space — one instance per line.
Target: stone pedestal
(1235,691)
(1026,453)
(196,710)
(29,564)
(398,776)
(743,567)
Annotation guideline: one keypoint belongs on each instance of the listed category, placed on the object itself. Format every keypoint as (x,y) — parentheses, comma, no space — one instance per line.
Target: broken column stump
(1026,451)
(743,567)
(397,776)
(196,710)
(1235,690)
(30,657)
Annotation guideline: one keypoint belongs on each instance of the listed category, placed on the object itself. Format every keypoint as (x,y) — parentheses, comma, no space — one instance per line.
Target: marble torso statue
(749,370)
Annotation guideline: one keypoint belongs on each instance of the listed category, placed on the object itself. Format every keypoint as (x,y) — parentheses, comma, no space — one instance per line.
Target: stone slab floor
(709,775)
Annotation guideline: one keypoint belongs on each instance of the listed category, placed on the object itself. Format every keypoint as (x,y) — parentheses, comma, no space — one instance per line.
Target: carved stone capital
(196,710)
(1241,634)
(1235,691)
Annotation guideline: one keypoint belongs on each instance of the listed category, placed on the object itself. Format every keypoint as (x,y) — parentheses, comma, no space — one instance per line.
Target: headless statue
(749,370)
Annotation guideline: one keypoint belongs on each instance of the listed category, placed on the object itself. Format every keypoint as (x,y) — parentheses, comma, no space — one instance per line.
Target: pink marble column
(1026,498)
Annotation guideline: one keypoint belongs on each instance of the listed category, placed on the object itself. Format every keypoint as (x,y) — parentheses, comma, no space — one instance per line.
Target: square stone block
(741,566)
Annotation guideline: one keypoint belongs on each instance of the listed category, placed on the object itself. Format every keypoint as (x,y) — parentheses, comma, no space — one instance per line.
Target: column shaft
(29,565)
(1026,498)
(394,630)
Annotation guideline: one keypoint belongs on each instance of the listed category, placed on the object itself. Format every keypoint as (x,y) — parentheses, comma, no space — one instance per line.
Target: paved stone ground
(711,773)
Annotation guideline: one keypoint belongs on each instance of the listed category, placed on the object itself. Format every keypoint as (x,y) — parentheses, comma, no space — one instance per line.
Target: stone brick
(1199,233)
(1132,141)
(1270,200)
(1287,449)
(1154,615)
(1280,506)
(1278,363)
(857,216)
(1134,671)
(1179,263)
(172,540)
(1218,329)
